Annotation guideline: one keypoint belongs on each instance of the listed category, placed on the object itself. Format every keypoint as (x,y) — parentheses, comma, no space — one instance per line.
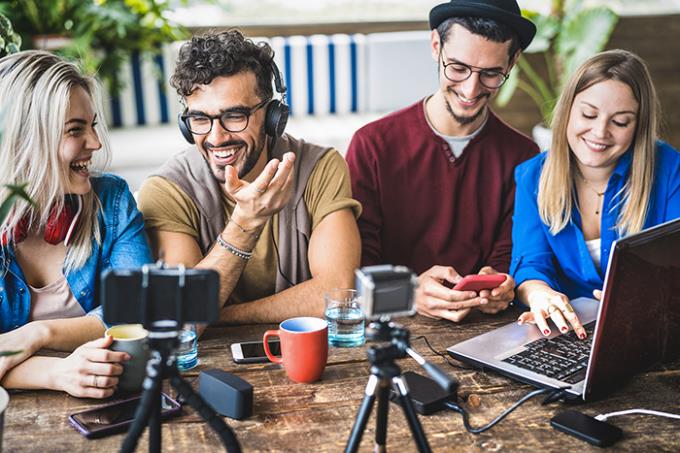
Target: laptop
(636,326)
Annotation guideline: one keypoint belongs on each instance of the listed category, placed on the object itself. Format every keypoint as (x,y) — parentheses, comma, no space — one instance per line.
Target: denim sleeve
(532,255)
(98,312)
(130,248)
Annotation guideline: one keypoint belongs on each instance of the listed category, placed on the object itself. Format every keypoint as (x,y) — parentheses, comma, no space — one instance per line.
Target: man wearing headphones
(271,213)
(436,179)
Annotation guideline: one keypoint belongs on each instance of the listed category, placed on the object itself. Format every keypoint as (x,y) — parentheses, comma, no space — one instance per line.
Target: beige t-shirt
(54,301)
(166,207)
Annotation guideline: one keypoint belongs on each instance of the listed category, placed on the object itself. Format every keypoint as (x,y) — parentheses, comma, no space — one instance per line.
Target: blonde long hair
(35,89)
(556,185)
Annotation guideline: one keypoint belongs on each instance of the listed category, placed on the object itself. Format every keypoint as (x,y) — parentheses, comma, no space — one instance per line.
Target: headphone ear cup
(184,129)
(276,118)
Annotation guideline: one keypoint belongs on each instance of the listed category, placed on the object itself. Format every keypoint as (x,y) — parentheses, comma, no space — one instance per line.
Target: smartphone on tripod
(117,416)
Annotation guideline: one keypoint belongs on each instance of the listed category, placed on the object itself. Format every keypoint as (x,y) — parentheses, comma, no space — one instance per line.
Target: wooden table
(319,417)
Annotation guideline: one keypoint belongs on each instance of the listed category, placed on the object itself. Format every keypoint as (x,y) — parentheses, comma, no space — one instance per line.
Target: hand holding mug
(131,338)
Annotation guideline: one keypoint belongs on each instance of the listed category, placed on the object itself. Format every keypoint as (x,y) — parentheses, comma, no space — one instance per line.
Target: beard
(251,158)
(464,120)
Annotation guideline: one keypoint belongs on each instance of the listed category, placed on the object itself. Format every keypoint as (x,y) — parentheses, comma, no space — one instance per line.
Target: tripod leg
(416,429)
(155,422)
(381,416)
(145,406)
(362,415)
(209,415)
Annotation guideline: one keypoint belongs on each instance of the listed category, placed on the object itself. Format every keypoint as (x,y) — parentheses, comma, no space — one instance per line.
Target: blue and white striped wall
(324,74)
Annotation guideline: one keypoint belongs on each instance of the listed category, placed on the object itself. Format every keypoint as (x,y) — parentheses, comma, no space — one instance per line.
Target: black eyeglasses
(460,72)
(233,120)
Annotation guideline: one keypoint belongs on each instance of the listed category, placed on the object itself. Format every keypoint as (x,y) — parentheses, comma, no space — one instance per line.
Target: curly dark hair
(226,53)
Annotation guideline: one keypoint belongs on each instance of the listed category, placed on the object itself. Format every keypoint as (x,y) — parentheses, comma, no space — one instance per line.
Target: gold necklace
(599,194)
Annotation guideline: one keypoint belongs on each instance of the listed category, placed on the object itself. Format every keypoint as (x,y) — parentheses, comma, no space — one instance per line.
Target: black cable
(441,354)
(553,394)
(278,257)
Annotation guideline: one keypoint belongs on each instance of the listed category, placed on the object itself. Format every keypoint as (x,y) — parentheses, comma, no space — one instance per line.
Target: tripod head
(384,330)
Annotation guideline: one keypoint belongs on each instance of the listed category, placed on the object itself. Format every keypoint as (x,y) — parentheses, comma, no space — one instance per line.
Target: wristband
(243,254)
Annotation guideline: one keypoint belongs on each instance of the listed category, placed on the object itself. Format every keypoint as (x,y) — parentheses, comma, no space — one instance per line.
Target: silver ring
(552,309)
(260,190)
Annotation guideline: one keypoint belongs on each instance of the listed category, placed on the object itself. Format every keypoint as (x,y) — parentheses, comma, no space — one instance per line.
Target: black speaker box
(226,393)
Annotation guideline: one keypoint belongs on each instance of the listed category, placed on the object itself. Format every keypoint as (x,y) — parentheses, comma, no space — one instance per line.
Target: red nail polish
(582,336)
(564,329)
(546,332)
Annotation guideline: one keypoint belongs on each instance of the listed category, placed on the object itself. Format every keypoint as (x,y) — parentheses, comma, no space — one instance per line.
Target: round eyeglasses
(232,120)
(460,72)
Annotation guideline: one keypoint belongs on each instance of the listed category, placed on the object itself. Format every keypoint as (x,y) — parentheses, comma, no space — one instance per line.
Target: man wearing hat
(436,178)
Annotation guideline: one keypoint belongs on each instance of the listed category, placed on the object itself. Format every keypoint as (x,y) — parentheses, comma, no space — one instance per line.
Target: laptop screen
(639,317)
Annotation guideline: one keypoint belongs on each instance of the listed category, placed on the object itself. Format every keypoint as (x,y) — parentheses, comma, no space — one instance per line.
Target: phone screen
(115,414)
(256,349)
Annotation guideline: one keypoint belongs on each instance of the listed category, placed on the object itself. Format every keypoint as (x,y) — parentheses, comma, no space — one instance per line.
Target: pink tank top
(54,301)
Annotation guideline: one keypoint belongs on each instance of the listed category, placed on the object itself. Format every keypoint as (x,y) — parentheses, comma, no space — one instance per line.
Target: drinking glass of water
(345,318)
(187,351)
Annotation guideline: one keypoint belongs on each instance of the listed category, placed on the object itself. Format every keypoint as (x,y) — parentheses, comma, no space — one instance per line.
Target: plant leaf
(582,36)
(546,29)
(16,192)
(508,89)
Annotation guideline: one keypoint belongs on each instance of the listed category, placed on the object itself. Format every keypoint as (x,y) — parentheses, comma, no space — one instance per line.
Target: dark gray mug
(131,338)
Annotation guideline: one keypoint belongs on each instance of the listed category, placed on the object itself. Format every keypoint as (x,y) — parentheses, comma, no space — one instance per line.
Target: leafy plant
(104,33)
(567,36)
(10,41)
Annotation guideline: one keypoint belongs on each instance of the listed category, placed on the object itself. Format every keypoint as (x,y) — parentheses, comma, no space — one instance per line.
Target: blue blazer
(124,245)
(562,260)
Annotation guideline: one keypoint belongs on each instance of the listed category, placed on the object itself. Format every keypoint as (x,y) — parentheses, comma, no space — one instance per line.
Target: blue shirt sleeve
(130,247)
(532,255)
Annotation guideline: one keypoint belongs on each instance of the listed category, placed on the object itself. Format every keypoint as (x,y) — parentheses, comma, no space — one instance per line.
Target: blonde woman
(53,252)
(605,176)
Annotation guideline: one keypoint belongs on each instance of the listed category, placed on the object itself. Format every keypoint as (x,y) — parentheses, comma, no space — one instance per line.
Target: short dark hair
(490,29)
(226,53)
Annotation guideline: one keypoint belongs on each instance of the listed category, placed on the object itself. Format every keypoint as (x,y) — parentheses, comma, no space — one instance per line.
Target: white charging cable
(604,417)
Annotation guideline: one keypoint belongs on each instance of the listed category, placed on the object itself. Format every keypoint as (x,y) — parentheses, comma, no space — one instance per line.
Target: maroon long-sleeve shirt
(422,206)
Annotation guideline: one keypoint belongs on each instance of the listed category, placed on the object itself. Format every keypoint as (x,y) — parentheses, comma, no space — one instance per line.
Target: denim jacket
(563,260)
(123,245)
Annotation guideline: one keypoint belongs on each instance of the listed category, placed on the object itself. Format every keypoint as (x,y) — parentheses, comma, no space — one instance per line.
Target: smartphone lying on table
(253,351)
(117,416)
(477,283)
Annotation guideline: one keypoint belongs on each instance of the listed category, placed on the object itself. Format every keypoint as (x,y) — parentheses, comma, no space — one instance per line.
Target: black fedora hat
(504,11)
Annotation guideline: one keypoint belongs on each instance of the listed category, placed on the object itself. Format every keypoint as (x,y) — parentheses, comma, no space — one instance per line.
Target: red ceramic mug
(304,347)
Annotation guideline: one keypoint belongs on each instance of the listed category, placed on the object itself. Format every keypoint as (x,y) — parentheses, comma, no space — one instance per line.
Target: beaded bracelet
(243,230)
(244,255)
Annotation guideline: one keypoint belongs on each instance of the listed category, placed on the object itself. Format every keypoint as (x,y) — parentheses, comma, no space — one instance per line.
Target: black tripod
(385,374)
(163,341)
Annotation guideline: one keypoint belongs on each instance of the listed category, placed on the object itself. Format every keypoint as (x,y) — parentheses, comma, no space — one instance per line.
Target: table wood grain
(318,417)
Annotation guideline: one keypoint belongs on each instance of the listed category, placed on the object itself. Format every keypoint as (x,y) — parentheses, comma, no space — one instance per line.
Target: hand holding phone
(477,282)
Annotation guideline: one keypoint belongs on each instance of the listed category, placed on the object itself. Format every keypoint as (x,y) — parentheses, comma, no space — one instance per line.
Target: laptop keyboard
(564,358)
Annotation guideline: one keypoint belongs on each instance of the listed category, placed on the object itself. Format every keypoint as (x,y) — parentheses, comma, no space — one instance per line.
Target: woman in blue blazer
(605,176)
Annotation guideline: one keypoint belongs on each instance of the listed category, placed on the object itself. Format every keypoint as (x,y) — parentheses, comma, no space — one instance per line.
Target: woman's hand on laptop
(435,300)
(544,302)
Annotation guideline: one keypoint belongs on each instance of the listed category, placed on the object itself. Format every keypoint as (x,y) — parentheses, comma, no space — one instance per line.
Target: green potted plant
(102,34)
(567,36)
(10,41)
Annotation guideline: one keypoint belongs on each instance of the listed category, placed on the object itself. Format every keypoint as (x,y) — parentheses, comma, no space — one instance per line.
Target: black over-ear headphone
(275,119)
